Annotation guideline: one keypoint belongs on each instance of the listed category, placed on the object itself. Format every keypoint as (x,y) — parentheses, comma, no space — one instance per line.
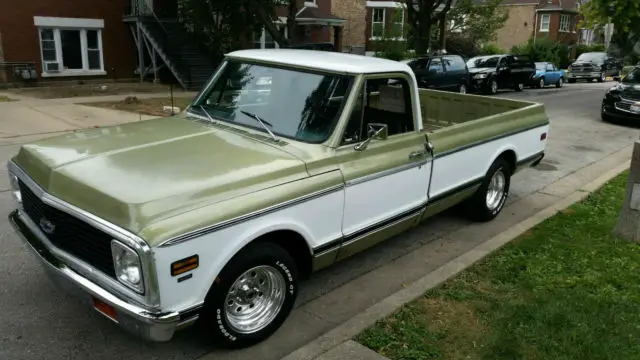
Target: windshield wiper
(262,123)
(207,113)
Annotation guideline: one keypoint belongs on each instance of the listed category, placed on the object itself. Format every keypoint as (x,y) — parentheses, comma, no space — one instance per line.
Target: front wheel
(493,87)
(492,194)
(560,83)
(541,83)
(603,77)
(252,296)
(519,87)
(462,89)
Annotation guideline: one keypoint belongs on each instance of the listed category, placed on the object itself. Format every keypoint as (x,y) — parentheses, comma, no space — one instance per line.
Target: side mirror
(375,131)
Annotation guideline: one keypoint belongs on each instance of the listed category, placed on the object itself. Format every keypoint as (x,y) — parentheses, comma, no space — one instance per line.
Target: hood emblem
(47,226)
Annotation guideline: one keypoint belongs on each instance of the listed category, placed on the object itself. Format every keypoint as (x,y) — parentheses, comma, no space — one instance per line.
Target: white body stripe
(373,201)
(320,220)
(456,169)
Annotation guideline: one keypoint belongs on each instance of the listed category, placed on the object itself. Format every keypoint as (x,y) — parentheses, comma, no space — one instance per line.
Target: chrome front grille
(69,233)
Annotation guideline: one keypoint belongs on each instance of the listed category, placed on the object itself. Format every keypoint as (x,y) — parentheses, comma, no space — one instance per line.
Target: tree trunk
(423,35)
(265,19)
(291,20)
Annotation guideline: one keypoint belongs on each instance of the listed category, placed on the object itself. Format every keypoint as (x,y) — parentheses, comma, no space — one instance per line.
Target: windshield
(483,61)
(293,103)
(541,66)
(596,57)
(633,77)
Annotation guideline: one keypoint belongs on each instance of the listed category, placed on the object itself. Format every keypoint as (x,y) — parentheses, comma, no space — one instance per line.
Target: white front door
(387,182)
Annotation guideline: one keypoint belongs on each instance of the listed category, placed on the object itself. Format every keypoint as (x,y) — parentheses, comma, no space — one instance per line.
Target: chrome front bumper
(158,327)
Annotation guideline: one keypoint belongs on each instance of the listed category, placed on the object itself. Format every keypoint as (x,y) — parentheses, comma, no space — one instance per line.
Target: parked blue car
(546,74)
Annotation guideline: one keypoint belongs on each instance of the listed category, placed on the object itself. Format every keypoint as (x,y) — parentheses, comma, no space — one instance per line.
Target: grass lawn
(95,89)
(566,289)
(145,106)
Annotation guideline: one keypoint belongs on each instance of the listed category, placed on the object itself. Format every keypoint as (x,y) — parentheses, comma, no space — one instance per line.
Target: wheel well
(510,157)
(295,245)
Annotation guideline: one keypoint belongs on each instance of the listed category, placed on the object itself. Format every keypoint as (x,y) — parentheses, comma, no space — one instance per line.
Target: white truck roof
(323,60)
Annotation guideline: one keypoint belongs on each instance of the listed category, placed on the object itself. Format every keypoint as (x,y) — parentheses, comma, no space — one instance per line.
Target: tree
(222,25)
(624,14)
(423,14)
(625,17)
(478,22)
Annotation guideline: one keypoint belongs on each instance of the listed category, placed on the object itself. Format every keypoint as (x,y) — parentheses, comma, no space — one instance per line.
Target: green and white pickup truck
(286,162)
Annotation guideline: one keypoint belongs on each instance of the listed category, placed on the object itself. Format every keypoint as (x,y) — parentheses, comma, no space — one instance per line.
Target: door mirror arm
(381,133)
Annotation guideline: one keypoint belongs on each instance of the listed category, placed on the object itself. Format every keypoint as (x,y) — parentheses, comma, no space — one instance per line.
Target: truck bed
(442,109)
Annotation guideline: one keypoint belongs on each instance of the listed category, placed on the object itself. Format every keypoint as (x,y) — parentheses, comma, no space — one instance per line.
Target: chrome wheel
(463,89)
(255,299)
(495,191)
(560,82)
(541,84)
(494,87)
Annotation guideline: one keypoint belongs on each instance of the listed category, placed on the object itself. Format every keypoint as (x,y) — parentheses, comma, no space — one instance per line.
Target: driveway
(40,322)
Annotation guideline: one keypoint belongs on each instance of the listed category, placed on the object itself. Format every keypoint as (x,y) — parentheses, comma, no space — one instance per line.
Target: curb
(346,331)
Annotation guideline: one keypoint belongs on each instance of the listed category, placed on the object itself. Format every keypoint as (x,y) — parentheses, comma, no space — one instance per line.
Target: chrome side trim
(151,297)
(374,230)
(227,223)
(387,172)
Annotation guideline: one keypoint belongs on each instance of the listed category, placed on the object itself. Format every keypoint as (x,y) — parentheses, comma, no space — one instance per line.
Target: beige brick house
(354,12)
(520,24)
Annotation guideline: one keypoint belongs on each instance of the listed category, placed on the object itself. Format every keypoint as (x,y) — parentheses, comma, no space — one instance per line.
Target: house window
(263,40)
(398,25)
(544,22)
(70,46)
(565,23)
(377,22)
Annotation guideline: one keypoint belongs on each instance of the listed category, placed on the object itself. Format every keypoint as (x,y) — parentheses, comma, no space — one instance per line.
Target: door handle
(416,155)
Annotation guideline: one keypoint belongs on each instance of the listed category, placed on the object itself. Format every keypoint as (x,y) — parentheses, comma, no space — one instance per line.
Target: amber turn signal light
(184,265)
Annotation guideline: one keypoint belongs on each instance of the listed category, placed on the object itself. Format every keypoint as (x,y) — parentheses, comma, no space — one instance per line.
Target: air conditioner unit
(52,67)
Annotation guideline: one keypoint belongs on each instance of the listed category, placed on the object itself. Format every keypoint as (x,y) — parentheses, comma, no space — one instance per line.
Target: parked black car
(489,73)
(593,65)
(440,72)
(622,101)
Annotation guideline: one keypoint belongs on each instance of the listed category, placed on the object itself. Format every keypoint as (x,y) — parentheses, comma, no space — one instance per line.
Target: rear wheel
(492,194)
(519,87)
(252,296)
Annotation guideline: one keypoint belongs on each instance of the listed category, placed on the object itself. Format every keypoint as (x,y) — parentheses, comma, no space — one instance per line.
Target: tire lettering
(285,269)
(223,330)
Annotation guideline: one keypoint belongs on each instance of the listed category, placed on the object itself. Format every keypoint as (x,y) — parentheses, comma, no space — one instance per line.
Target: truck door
(387,178)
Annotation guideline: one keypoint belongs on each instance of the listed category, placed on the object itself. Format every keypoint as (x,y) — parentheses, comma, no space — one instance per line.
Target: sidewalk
(336,343)
(30,118)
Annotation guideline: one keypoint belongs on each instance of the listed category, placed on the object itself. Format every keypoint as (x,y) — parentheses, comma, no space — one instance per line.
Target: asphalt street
(40,322)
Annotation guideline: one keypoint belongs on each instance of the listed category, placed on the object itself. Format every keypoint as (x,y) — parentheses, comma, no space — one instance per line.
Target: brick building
(553,19)
(88,39)
(67,39)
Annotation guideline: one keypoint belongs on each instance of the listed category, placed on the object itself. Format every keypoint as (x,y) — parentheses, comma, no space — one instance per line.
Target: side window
(454,63)
(422,64)
(436,65)
(384,101)
(550,67)
(503,62)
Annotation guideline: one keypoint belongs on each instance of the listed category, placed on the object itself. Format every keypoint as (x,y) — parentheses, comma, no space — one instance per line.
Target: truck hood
(134,174)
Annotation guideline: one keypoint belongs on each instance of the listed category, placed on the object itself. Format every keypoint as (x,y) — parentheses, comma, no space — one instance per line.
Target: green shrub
(491,49)
(544,50)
